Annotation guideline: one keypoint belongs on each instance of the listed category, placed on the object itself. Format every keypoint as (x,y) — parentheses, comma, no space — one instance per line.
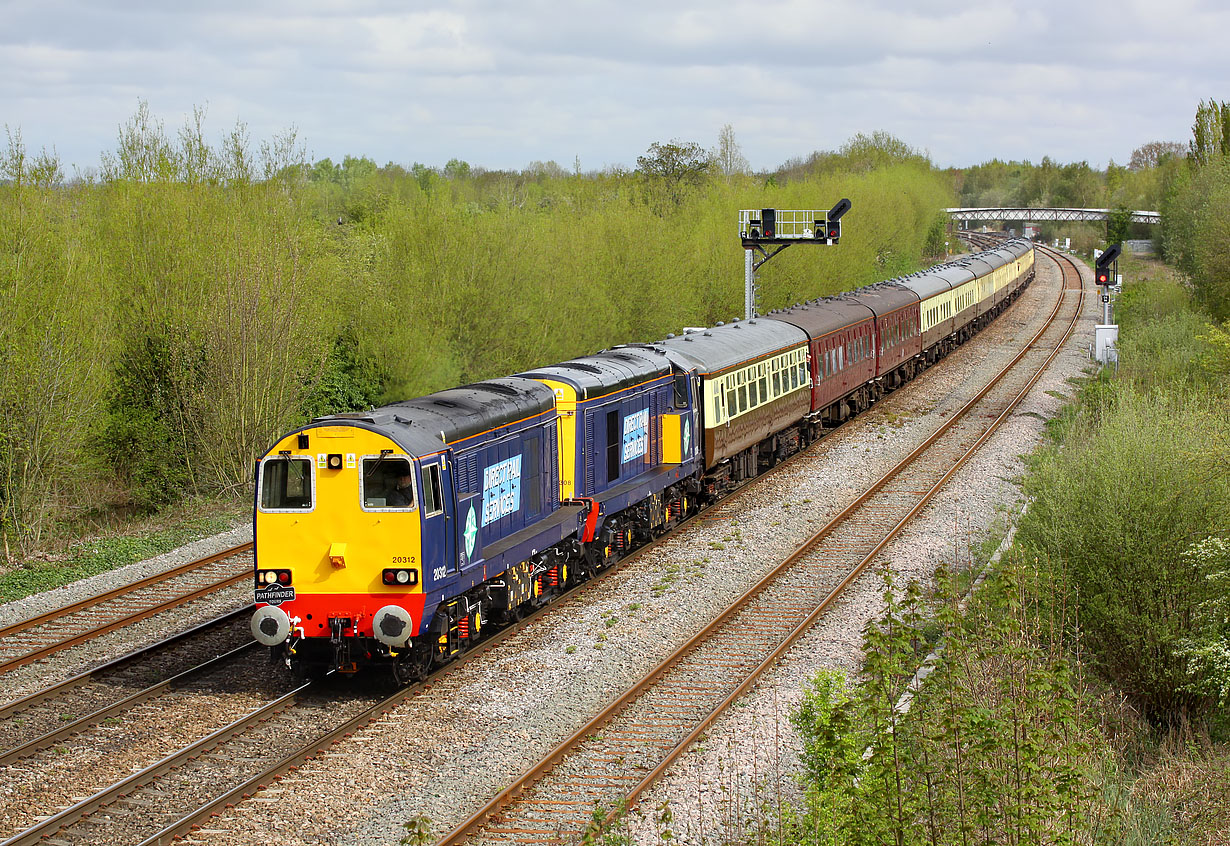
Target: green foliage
(675,162)
(350,380)
(102,554)
(1208,649)
(164,323)
(1210,133)
(1196,233)
(145,438)
(937,235)
(1118,222)
(1113,512)
(1164,341)
(998,744)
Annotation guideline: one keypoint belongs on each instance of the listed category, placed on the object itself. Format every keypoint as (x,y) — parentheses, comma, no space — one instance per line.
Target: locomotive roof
(426,424)
(820,317)
(605,372)
(723,347)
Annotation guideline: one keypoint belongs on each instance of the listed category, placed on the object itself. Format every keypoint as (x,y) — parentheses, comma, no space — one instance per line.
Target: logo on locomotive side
(636,435)
(470,534)
(501,489)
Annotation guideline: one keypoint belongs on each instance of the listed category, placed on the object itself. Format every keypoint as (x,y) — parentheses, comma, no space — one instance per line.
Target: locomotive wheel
(302,671)
(412,666)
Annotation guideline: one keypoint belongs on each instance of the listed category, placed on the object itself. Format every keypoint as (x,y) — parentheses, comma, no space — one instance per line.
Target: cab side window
(433,495)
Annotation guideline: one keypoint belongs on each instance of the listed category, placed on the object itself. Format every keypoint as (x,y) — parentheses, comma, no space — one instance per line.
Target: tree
(1154,153)
(728,157)
(456,169)
(676,163)
(1118,222)
(1210,132)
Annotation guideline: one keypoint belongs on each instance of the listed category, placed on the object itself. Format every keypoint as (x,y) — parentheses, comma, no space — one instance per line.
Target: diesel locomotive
(394,537)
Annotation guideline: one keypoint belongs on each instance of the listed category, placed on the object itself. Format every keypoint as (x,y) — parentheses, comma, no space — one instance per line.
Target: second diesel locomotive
(395,536)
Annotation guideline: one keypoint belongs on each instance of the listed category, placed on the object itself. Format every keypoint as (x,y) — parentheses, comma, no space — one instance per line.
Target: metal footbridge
(1048,214)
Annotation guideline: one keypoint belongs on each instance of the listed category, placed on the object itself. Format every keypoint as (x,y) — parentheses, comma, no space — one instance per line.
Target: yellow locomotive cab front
(338,540)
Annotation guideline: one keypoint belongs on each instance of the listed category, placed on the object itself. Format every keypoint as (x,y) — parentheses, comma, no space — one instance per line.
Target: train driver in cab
(402,495)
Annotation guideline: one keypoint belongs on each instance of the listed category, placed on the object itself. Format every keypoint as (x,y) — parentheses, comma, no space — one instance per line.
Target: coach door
(436,506)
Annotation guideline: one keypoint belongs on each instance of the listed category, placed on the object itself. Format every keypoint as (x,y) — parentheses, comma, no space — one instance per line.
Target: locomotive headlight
(394,576)
(273,577)
(335,461)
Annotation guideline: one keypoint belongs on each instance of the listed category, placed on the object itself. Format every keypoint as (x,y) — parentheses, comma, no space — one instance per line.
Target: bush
(999,744)
(1115,508)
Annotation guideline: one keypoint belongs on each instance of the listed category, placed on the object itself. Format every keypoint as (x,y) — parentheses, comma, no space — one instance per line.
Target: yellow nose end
(337,555)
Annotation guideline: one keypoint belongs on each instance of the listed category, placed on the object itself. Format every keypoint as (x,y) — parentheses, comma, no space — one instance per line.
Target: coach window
(777,383)
(387,484)
(286,484)
(742,398)
(732,407)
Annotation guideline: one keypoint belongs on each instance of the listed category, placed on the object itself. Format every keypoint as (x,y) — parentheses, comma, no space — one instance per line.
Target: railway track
(610,761)
(173,785)
(29,640)
(69,707)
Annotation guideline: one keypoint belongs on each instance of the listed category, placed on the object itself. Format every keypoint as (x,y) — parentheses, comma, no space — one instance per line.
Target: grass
(100,554)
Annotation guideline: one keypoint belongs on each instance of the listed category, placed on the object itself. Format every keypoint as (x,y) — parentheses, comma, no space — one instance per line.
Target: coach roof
(724,347)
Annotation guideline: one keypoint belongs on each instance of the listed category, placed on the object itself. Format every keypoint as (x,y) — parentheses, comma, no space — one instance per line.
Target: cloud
(502,84)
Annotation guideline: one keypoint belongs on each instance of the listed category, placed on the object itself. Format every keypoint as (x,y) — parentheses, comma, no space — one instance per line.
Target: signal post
(1106,334)
(780,228)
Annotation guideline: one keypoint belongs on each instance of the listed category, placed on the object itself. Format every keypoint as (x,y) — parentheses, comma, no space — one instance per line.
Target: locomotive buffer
(780,228)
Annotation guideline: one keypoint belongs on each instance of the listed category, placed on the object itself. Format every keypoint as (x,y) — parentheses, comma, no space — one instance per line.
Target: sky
(503,84)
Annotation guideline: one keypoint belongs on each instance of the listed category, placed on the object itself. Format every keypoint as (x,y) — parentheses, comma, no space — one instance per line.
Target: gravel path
(442,753)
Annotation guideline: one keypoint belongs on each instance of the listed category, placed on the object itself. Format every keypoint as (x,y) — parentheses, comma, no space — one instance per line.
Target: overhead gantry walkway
(1048,214)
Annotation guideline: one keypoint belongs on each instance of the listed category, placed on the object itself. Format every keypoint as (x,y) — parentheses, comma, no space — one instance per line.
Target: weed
(418,831)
